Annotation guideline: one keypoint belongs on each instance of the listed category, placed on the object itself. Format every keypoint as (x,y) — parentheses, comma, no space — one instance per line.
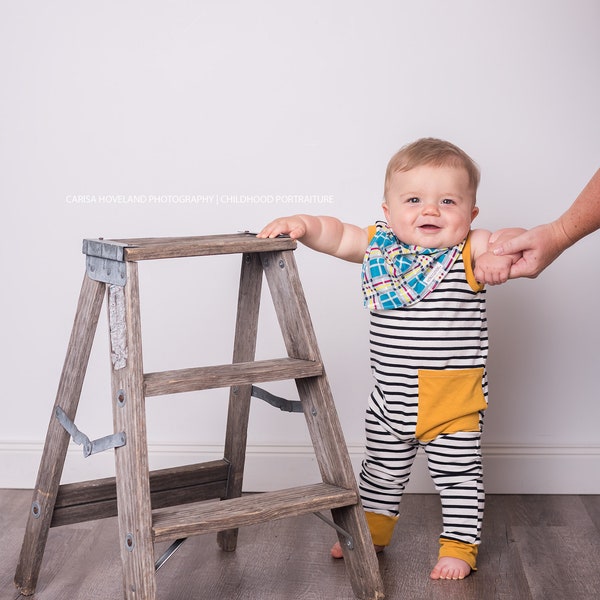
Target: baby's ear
(386,210)
(474,213)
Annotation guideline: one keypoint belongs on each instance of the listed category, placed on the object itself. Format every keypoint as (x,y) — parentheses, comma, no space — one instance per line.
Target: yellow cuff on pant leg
(381,527)
(462,550)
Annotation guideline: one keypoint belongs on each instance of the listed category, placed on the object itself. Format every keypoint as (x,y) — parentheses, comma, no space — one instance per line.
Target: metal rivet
(129,542)
(36,510)
(281,264)
(313,412)
(121,398)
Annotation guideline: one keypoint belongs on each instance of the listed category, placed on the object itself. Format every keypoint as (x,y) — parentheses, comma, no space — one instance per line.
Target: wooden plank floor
(535,547)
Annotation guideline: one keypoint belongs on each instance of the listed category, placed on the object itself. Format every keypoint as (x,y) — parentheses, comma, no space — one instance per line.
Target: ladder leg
(131,460)
(239,397)
(336,468)
(322,420)
(57,439)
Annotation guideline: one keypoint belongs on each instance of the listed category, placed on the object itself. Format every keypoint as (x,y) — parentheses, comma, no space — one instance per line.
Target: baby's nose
(431,209)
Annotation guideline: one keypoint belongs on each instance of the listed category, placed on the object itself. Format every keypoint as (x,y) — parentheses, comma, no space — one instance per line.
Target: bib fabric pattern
(396,275)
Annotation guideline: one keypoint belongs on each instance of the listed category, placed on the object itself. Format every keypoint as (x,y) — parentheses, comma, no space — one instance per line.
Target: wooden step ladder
(170,504)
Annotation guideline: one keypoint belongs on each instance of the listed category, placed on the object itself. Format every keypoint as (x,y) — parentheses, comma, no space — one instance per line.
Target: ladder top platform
(135,249)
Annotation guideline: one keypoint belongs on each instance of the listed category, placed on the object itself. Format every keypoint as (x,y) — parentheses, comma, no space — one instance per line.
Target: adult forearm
(583,216)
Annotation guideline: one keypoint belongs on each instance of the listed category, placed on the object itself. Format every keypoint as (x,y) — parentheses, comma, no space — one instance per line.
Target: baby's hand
(294,226)
(490,270)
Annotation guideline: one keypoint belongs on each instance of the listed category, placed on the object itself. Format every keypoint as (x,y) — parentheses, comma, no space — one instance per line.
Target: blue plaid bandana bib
(395,275)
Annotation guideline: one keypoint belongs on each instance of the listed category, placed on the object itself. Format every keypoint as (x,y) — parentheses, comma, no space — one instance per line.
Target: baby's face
(430,206)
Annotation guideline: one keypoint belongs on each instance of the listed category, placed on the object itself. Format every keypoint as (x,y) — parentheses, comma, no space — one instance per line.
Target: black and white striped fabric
(445,330)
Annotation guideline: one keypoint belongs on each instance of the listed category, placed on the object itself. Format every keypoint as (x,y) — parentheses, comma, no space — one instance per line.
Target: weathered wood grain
(131,495)
(248,510)
(219,376)
(97,499)
(179,247)
(525,541)
(131,460)
(244,348)
(57,439)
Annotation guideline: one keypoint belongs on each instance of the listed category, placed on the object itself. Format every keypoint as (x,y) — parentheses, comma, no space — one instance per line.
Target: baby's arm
(324,234)
(486,268)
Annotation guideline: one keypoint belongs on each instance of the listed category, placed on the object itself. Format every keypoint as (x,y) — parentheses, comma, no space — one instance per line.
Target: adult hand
(539,247)
(543,244)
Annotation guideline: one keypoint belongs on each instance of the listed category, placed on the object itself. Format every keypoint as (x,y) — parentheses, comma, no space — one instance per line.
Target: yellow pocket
(449,401)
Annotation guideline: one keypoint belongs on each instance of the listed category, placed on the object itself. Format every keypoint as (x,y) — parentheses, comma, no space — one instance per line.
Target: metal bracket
(105,261)
(168,553)
(116,440)
(349,540)
(276,401)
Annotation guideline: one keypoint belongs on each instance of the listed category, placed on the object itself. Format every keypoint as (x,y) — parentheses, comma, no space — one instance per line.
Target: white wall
(229,100)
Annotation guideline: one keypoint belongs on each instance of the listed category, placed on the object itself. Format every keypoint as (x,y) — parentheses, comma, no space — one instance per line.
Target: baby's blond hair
(431,151)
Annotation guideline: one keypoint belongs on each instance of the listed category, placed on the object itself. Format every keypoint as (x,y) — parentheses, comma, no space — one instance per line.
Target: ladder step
(195,519)
(97,499)
(219,376)
(156,248)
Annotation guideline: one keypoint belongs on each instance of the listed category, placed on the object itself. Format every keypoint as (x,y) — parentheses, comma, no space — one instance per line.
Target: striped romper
(428,361)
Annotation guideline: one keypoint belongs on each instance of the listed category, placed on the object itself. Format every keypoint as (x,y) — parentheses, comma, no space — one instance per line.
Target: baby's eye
(413,200)
(448,201)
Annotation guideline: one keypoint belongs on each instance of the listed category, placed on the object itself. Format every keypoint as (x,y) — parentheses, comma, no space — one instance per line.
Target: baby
(428,339)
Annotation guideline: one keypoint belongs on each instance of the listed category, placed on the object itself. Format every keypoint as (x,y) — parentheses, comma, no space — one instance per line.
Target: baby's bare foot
(336,550)
(450,568)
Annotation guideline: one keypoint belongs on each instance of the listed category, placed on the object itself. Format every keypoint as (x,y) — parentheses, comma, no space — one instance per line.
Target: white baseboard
(508,469)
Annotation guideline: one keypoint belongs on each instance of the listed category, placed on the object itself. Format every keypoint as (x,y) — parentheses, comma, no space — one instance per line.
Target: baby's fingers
(283,226)
(271,230)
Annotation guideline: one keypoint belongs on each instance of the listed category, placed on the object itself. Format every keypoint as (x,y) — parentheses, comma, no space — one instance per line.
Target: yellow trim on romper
(381,527)
(467,259)
(371,231)
(462,550)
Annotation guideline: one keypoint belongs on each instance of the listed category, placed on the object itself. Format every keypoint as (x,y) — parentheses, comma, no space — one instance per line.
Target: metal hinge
(116,440)
(105,261)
